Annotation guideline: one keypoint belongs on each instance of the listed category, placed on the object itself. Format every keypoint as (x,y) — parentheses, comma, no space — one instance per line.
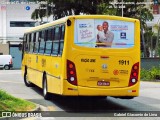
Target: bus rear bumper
(116,92)
(132,91)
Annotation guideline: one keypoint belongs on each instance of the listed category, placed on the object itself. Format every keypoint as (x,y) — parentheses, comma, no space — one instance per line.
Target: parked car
(6,62)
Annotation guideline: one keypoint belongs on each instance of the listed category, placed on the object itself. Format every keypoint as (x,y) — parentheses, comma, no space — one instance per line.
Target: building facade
(15,18)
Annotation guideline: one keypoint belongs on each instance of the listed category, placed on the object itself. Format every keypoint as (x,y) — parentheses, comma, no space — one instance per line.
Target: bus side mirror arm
(20,46)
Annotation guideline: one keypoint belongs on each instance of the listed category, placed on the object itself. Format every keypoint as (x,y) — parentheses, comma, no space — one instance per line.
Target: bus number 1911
(123,62)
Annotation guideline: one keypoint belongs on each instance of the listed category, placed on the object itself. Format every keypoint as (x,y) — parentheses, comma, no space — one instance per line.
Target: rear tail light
(71,73)
(134,74)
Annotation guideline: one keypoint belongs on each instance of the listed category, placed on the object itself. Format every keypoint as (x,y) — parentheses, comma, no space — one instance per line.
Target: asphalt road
(149,99)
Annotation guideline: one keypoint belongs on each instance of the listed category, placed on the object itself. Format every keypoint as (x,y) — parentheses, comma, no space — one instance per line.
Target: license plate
(103,83)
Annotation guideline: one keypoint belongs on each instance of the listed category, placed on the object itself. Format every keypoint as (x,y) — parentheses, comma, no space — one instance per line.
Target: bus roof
(36,28)
(64,19)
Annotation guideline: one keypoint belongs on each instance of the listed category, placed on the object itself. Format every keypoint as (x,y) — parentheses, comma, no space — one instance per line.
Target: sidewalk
(150,89)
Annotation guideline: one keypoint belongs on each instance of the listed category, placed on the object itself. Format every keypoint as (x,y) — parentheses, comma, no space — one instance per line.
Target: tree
(139,11)
(106,9)
(61,8)
(143,14)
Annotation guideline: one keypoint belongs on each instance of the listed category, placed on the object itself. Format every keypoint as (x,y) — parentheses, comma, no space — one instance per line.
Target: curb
(42,108)
(39,108)
(36,109)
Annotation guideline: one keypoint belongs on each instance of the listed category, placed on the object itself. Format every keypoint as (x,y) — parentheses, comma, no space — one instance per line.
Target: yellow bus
(84,55)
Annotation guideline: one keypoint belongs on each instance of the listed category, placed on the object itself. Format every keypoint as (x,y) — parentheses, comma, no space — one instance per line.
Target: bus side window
(56,41)
(49,39)
(36,42)
(42,42)
(31,42)
(27,43)
(62,39)
(25,46)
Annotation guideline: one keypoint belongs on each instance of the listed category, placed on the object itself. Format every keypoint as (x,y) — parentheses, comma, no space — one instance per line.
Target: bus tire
(102,97)
(46,94)
(6,67)
(26,81)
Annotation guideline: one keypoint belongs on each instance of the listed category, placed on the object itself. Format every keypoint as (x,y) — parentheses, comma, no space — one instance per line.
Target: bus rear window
(104,33)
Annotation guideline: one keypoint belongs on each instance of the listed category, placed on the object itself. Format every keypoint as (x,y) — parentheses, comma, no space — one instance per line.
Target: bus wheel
(102,97)
(46,95)
(26,81)
(6,67)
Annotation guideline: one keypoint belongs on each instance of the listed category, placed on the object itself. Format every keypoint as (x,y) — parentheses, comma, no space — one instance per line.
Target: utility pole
(122,8)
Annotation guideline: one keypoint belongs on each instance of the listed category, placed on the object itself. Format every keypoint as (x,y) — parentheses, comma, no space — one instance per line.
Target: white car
(6,62)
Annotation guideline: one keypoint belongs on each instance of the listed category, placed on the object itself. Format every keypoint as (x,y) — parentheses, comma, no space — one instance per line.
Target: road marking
(3,73)
(10,72)
(11,82)
(51,108)
(30,118)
